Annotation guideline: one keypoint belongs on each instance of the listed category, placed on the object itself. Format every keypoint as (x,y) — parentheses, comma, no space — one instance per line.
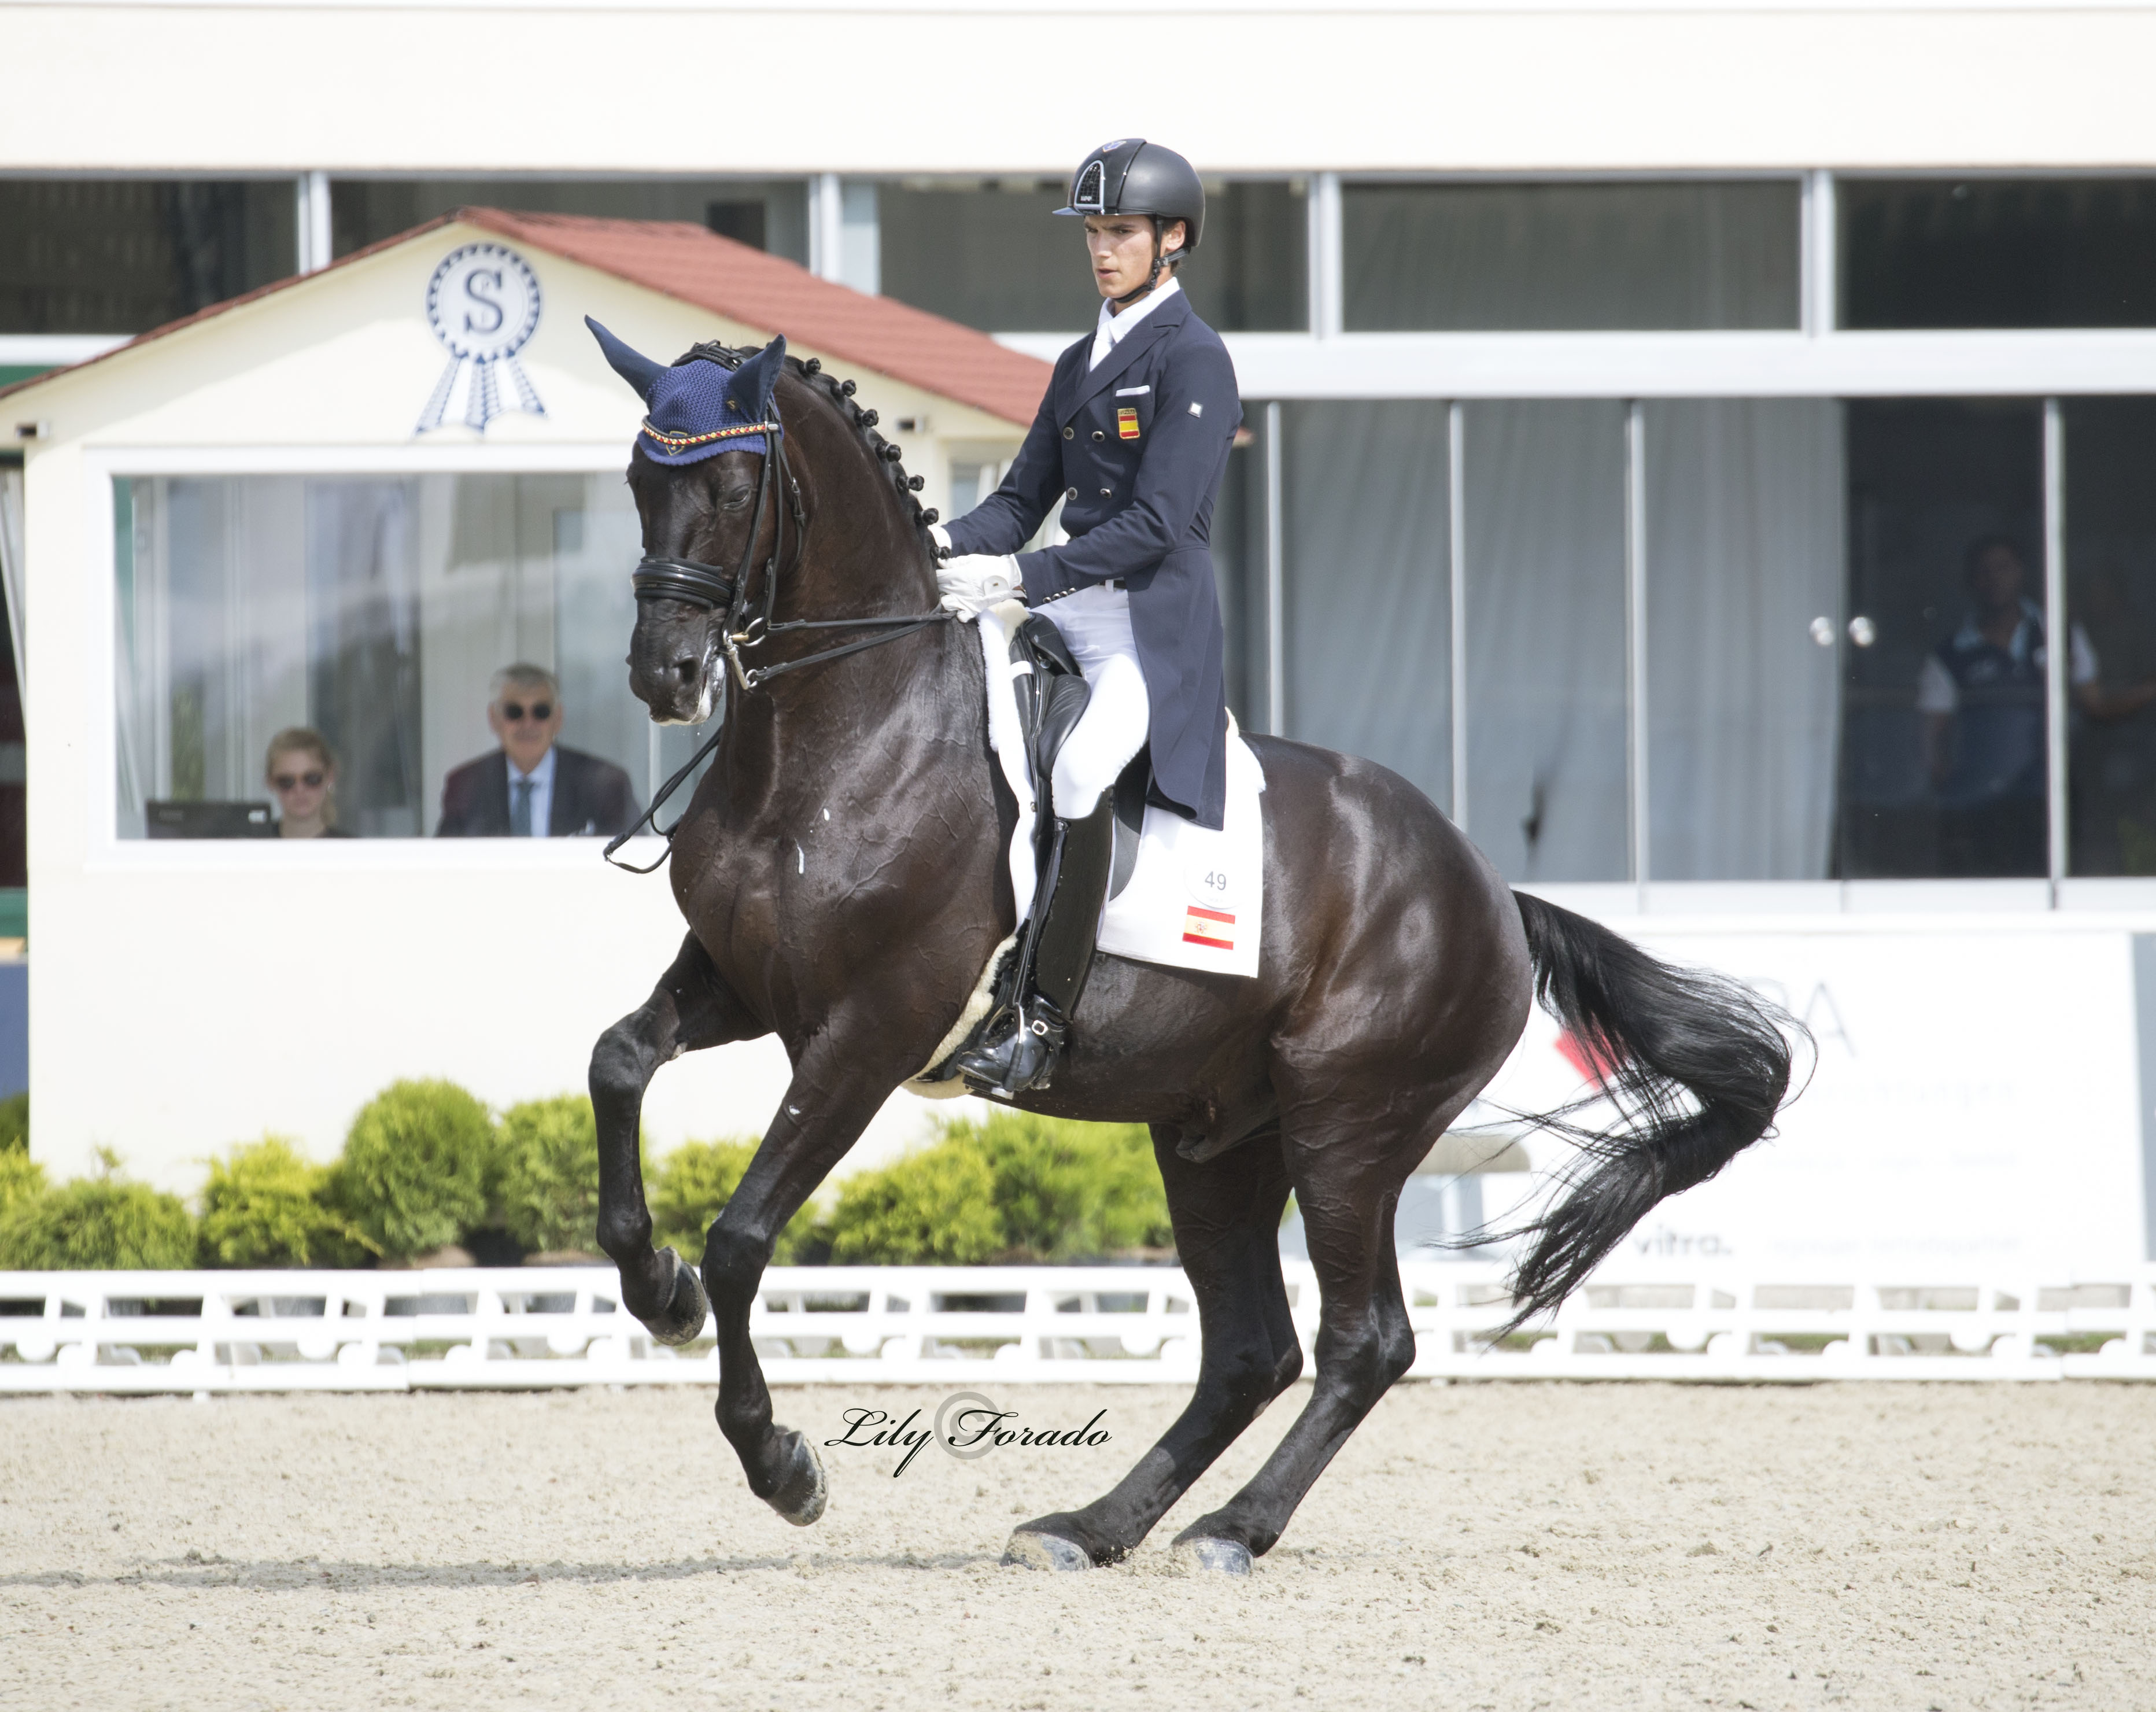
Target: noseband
(660,578)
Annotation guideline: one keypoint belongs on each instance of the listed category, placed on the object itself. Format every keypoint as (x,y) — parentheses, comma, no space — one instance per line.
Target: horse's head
(697,514)
(710,508)
(721,501)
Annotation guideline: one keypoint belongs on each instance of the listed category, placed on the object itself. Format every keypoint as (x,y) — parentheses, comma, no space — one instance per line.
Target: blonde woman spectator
(301,774)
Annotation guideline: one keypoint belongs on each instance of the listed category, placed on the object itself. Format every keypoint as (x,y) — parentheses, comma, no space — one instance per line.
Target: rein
(709,587)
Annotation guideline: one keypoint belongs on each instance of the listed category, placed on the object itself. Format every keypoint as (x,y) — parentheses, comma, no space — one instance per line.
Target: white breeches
(1096,622)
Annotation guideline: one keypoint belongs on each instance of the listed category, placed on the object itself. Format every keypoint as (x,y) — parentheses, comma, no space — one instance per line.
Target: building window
(106,255)
(1368,591)
(993,255)
(1997,253)
(1543,512)
(1943,723)
(1744,567)
(769,213)
(1523,258)
(2110,446)
(375,610)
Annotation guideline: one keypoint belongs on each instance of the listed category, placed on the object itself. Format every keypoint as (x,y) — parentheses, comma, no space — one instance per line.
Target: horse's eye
(734,499)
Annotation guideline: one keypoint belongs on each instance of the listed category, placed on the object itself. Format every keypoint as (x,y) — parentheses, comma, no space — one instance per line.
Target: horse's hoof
(1219,1557)
(686,1306)
(800,1500)
(1044,1551)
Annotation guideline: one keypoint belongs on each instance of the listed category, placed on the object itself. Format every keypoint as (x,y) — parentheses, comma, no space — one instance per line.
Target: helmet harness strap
(1172,259)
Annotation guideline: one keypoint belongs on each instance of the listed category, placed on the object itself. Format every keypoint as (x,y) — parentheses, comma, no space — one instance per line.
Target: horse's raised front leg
(690,1009)
(1227,1214)
(1347,1182)
(838,1085)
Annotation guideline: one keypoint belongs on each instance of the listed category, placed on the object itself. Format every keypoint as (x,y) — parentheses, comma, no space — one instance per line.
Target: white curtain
(11,562)
(1745,549)
(1368,602)
(1544,511)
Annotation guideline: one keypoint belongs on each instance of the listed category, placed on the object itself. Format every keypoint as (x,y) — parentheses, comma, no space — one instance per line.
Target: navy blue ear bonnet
(696,409)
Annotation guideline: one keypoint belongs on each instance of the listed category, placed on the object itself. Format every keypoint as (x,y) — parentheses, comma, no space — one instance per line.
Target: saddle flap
(1051,692)
(1129,798)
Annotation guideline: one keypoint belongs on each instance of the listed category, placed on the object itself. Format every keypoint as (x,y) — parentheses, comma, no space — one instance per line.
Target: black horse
(841,869)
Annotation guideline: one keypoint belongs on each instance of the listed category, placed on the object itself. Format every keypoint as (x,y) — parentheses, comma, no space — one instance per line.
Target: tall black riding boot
(1021,1050)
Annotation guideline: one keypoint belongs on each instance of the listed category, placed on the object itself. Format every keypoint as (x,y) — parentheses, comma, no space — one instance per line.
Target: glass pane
(1519,258)
(1546,784)
(376,611)
(1369,597)
(1251,274)
(101,255)
(2111,591)
(993,254)
(770,213)
(1745,544)
(1942,692)
(1998,252)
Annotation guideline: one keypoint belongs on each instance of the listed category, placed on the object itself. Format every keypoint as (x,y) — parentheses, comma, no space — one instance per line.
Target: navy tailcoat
(1136,450)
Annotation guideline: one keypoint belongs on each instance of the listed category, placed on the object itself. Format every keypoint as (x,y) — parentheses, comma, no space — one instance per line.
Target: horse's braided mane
(840,392)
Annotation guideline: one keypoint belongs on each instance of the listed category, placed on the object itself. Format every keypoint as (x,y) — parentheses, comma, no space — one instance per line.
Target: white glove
(973,581)
(942,536)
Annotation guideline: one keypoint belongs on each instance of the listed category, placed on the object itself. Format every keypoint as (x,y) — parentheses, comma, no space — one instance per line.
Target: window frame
(105,849)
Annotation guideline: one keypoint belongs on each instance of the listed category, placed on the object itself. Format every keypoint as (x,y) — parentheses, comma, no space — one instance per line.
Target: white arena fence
(531,1328)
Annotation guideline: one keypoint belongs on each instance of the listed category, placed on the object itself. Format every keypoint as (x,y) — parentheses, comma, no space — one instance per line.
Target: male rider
(1132,438)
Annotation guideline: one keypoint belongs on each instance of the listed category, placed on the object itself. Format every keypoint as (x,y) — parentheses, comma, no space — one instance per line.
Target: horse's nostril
(686,669)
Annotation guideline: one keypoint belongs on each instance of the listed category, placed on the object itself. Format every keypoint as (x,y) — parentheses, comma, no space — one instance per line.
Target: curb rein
(710,587)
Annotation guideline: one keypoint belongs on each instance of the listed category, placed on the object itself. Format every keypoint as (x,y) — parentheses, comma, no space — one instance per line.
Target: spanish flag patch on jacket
(1126,421)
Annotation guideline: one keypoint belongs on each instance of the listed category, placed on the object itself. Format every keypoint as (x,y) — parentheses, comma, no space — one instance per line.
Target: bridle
(660,578)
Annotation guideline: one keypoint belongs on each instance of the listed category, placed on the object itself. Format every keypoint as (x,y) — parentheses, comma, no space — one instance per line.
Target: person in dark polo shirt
(533,787)
(1981,694)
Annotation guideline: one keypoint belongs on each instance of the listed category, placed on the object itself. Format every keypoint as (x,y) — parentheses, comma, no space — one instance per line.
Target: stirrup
(1020,1056)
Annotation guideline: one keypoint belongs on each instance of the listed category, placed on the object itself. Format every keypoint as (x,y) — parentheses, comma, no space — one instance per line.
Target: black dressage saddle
(1052,693)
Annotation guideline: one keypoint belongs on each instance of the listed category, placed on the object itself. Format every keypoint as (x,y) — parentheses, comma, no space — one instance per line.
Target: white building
(1628,385)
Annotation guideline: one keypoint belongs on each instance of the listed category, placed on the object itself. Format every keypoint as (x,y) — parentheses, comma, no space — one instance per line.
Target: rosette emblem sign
(483,305)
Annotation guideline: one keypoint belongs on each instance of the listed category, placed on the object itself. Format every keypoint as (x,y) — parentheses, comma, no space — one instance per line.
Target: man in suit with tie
(532,787)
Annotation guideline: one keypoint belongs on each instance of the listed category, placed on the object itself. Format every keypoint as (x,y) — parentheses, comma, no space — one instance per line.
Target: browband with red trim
(682,442)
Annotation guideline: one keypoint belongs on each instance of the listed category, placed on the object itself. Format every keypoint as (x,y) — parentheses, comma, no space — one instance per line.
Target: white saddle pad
(1196,896)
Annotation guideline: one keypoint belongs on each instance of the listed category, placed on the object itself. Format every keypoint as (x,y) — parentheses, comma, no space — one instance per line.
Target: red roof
(745,284)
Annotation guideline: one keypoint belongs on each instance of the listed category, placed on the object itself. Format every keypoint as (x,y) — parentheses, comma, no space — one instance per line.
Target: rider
(1132,438)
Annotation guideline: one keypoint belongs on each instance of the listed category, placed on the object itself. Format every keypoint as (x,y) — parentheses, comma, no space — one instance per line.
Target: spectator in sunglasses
(533,787)
(301,774)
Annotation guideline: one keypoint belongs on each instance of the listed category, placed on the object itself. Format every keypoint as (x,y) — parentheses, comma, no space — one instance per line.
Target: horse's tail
(1696,1064)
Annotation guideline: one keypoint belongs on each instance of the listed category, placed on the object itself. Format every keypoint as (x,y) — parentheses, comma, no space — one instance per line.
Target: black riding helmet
(1132,175)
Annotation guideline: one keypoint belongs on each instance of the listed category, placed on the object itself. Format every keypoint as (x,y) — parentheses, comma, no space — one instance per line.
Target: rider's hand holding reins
(973,581)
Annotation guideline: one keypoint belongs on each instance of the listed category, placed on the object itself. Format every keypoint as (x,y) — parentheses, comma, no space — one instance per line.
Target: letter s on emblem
(490,306)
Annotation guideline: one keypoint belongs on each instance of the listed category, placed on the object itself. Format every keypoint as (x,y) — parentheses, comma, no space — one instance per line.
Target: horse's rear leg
(1227,1214)
(1348,1191)
(690,1009)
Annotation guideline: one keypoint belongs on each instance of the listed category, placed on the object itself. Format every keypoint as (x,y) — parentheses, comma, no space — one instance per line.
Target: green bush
(1069,1191)
(266,1206)
(98,1224)
(686,1188)
(418,1168)
(22,1178)
(549,1192)
(935,1207)
(15,1124)
(1011,1187)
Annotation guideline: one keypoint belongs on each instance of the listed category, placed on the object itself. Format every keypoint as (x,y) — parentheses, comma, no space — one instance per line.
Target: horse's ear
(754,381)
(639,370)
